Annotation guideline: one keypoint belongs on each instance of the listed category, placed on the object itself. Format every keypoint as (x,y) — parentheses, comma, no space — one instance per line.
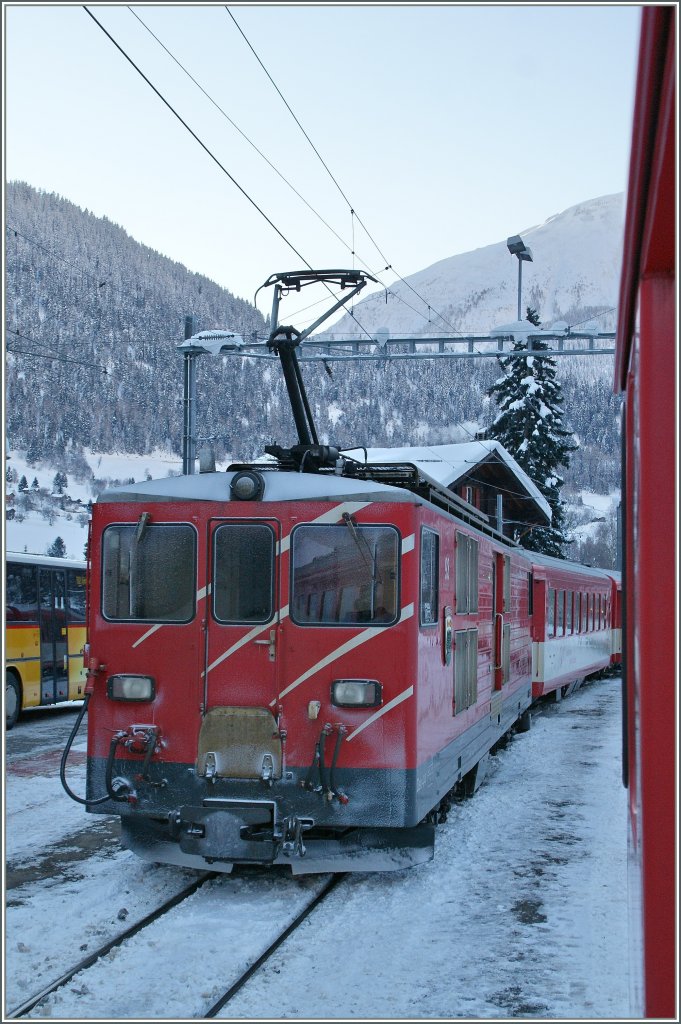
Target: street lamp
(204,343)
(517,247)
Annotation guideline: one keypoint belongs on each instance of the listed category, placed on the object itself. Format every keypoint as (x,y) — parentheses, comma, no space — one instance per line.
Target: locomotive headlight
(356,693)
(130,687)
(247,486)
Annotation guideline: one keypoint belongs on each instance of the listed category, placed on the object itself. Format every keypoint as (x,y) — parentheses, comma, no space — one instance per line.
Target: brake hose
(64,758)
(332,784)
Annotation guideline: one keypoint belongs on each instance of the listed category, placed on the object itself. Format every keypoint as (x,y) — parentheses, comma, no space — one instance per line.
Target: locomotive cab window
(243,572)
(430,576)
(149,572)
(344,575)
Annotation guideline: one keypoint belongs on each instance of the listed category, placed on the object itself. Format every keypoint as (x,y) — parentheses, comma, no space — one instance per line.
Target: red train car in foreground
(645,372)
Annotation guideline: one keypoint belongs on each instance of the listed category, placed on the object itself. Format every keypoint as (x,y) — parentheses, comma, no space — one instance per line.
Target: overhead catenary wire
(352,208)
(204,146)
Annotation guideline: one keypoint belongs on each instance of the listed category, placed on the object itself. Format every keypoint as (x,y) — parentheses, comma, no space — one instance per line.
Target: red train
(645,372)
(305,667)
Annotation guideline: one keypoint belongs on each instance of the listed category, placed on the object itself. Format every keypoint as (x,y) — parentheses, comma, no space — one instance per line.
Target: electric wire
(206,148)
(197,139)
(352,209)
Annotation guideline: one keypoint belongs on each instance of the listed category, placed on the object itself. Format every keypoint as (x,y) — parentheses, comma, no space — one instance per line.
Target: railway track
(153,918)
(88,961)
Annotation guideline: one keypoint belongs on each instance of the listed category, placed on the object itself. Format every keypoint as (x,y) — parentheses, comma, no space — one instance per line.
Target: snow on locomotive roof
(279,486)
(447,463)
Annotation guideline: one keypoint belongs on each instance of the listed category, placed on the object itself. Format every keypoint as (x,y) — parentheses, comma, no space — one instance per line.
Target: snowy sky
(447,127)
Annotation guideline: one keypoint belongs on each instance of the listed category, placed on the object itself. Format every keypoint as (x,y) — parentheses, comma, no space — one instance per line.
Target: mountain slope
(574,276)
(94,318)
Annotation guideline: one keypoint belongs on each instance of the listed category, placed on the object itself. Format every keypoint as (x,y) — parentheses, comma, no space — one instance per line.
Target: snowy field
(522,913)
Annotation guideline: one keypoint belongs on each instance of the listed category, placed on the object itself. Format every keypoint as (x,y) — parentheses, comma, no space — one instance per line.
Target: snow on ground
(522,913)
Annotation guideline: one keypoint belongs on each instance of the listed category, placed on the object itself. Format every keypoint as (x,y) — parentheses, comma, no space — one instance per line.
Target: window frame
(435,620)
(230,523)
(319,623)
(152,621)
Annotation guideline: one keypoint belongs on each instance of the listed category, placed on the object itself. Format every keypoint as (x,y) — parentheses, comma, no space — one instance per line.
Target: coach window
(560,613)
(551,631)
(344,575)
(585,613)
(466,574)
(430,576)
(530,593)
(243,572)
(149,572)
(568,610)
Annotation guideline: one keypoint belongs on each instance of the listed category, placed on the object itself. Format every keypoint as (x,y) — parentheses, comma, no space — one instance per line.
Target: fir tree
(57,548)
(23,484)
(529,425)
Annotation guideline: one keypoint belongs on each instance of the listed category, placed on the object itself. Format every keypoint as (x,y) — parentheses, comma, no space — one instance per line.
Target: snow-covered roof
(445,464)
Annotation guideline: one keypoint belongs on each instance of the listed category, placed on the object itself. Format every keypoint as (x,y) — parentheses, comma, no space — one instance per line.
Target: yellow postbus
(44,632)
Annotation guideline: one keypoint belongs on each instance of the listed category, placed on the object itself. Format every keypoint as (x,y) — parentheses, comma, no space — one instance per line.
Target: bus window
(21,593)
(75,595)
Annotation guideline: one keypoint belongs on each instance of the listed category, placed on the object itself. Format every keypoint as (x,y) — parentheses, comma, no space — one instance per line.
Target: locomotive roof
(279,486)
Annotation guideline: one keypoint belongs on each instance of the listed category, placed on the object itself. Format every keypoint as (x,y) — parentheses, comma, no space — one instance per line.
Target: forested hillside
(112,311)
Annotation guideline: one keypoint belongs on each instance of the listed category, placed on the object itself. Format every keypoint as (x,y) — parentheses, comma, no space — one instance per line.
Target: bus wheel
(12,699)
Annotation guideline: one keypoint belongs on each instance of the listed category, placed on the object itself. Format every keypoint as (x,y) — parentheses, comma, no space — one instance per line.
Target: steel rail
(264,957)
(88,961)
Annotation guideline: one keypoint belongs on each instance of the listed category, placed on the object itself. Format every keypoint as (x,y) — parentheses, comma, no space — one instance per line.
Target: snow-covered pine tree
(57,548)
(529,424)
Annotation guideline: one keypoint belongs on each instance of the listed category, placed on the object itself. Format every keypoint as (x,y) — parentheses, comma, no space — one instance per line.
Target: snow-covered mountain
(574,276)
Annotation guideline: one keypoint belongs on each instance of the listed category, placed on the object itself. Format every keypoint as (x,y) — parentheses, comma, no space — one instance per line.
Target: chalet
(484,477)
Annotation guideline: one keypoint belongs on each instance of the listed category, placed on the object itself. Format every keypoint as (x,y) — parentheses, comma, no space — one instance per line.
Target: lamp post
(205,343)
(517,247)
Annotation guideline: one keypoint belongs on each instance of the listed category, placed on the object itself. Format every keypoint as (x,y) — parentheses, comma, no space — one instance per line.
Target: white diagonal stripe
(381,711)
(408,544)
(200,594)
(349,645)
(332,516)
(246,639)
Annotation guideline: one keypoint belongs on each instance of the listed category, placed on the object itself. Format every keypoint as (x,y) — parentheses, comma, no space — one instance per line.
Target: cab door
(54,685)
(242,657)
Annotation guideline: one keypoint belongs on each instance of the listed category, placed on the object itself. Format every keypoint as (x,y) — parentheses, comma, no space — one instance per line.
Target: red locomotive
(301,662)
(645,371)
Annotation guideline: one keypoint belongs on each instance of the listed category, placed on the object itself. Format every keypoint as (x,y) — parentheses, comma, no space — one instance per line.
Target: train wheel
(12,699)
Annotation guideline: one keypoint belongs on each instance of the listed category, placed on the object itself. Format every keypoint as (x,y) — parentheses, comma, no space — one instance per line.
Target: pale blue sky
(448,127)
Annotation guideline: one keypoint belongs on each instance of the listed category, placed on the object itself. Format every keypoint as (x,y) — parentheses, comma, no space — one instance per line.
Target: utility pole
(189,405)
